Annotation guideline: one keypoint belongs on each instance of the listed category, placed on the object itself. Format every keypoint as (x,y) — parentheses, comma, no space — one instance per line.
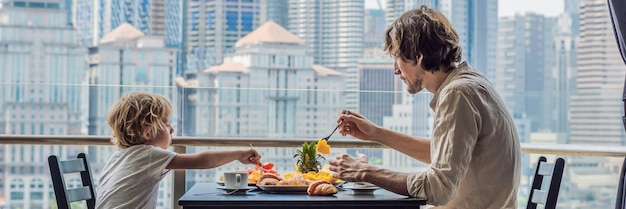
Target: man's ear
(420,58)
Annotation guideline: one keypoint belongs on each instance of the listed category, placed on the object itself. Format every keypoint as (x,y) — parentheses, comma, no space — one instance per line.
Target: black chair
(66,196)
(620,200)
(537,195)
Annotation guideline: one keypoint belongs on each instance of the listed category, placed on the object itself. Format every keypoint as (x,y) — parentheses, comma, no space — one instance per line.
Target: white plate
(279,189)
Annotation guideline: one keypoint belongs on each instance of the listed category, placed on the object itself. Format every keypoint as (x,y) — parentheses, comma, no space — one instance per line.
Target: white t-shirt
(130,179)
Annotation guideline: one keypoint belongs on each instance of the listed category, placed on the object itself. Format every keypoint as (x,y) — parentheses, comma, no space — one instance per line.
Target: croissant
(296,180)
(269,179)
(321,187)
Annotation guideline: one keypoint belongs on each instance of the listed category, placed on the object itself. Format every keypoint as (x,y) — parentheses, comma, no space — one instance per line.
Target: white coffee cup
(236,180)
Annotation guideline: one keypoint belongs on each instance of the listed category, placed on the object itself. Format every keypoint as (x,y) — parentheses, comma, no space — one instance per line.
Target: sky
(510,7)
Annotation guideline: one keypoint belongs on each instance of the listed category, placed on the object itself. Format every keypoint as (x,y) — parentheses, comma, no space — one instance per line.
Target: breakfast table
(212,195)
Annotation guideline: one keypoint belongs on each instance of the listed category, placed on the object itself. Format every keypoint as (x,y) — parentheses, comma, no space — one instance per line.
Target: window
(247,21)
(19,4)
(17,195)
(231,20)
(194,21)
(209,20)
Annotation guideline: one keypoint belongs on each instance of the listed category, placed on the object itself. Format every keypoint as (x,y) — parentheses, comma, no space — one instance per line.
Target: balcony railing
(180,145)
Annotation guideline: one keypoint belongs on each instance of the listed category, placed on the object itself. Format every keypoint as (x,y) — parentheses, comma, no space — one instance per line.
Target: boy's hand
(250,156)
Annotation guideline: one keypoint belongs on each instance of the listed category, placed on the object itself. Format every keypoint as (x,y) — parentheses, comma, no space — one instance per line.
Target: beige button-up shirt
(475,150)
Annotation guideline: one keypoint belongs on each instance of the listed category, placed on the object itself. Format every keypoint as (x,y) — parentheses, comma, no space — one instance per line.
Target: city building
(267,87)
(565,42)
(276,11)
(476,22)
(37,50)
(525,76)
(95,18)
(333,32)
(379,87)
(42,86)
(597,107)
(395,8)
(374,28)
(210,30)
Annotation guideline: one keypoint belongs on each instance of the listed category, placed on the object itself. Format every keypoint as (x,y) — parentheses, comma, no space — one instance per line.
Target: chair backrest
(620,200)
(66,196)
(537,195)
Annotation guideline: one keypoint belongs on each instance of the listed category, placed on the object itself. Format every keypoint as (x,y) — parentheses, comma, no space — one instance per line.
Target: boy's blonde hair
(135,113)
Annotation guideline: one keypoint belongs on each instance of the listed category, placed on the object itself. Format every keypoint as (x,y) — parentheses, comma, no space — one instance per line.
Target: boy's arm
(213,158)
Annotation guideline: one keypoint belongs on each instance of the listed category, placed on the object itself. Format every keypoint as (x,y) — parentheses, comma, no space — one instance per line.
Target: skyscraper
(374,28)
(524,76)
(95,18)
(333,32)
(378,85)
(211,28)
(37,49)
(565,73)
(41,83)
(476,22)
(597,106)
(276,11)
(395,8)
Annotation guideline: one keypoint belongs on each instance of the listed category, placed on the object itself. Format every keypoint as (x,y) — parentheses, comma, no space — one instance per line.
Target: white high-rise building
(38,54)
(564,73)
(333,32)
(268,87)
(395,8)
(597,107)
(41,84)
(525,68)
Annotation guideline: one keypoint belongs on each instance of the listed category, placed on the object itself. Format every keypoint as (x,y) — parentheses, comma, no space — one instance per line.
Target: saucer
(238,192)
(361,188)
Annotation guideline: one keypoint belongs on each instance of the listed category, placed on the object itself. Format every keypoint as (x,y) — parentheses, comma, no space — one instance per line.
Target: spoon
(336,127)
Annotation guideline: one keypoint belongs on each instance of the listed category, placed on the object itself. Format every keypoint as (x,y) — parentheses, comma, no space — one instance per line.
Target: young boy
(141,129)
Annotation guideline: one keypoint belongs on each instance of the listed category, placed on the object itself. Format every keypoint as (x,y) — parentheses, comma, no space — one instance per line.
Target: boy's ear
(146,134)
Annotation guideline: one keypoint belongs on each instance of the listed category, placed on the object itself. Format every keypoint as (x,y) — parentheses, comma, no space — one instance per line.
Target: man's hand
(348,168)
(357,126)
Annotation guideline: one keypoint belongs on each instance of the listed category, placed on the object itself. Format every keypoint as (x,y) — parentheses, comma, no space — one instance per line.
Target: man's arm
(416,147)
(386,179)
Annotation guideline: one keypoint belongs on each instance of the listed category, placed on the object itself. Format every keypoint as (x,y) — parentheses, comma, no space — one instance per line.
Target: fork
(260,164)
(336,127)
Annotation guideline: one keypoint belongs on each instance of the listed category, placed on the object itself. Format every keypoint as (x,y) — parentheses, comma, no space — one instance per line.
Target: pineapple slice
(323,147)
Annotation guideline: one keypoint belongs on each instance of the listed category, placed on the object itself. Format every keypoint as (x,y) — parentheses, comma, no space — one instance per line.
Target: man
(474,153)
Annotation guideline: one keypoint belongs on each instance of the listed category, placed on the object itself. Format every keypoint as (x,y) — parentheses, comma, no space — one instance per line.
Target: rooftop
(270,32)
(123,32)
